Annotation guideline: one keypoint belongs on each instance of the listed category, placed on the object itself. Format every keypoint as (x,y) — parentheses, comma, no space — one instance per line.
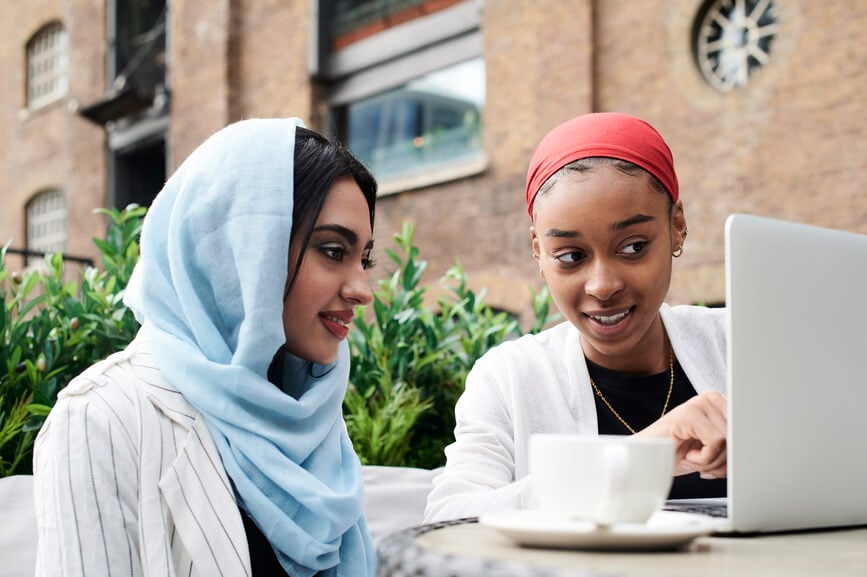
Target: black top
(639,400)
(263,560)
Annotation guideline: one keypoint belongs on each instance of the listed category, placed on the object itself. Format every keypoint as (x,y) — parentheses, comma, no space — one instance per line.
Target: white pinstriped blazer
(128,481)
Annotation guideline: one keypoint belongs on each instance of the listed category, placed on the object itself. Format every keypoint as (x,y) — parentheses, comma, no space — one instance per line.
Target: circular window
(733,40)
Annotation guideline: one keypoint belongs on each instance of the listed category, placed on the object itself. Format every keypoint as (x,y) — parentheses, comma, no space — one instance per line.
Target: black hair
(319,162)
(585,164)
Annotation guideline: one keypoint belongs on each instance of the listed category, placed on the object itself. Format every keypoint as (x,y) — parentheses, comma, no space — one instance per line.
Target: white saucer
(534,528)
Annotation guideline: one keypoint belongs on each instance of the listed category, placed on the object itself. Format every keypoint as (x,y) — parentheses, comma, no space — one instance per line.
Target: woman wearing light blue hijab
(214,444)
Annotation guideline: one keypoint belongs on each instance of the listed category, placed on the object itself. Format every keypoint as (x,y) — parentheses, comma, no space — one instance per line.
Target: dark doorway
(138,173)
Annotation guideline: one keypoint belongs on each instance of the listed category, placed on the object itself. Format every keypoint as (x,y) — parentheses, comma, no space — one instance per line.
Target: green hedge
(51,329)
(409,359)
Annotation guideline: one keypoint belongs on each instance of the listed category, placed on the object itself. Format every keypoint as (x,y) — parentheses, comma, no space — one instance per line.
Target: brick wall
(269,60)
(539,72)
(51,147)
(791,145)
(232,60)
(199,34)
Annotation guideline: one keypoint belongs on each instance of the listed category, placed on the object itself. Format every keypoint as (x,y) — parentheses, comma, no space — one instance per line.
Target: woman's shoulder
(103,398)
(524,367)
(697,311)
(531,349)
(554,335)
(690,323)
(699,337)
(120,383)
(694,316)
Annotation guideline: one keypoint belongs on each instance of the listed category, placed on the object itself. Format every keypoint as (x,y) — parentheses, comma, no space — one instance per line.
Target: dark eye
(572,257)
(335,253)
(368,263)
(635,247)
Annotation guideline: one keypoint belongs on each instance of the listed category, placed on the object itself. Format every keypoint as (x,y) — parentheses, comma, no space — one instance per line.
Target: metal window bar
(46,65)
(35,253)
(46,222)
(353,14)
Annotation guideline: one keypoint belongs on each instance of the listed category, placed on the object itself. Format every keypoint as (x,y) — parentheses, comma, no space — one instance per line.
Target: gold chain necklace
(667,397)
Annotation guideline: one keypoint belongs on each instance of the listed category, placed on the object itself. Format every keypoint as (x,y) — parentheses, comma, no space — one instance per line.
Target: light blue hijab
(208,290)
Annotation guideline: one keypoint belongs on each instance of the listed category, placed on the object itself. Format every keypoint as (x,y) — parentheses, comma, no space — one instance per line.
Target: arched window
(47,65)
(46,222)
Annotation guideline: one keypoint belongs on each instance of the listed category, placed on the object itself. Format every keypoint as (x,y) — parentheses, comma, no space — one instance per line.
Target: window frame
(392,58)
(55,56)
(731,49)
(49,241)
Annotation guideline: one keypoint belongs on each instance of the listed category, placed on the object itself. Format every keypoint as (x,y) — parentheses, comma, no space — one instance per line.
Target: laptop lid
(796,296)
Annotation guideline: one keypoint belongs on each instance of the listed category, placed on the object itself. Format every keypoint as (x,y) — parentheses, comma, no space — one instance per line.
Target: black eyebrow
(620,225)
(557,233)
(350,235)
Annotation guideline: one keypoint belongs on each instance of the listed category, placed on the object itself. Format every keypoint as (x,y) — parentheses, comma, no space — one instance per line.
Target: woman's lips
(610,319)
(337,323)
(610,323)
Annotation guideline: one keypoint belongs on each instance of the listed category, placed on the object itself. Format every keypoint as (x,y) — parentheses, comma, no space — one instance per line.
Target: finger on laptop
(699,428)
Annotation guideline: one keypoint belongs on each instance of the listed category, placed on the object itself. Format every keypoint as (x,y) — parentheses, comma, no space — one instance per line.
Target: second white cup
(605,479)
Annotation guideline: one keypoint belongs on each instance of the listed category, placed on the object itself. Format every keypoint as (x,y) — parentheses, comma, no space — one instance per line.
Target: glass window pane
(46,222)
(47,65)
(432,121)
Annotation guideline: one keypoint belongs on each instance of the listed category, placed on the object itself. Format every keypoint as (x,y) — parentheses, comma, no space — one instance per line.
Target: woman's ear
(534,240)
(678,228)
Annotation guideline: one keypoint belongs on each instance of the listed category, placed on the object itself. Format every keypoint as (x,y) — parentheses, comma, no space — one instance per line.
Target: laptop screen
(796,296)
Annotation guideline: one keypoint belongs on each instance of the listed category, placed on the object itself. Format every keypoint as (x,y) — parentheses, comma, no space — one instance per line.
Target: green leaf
(40,410)
(40,350)
(406,347)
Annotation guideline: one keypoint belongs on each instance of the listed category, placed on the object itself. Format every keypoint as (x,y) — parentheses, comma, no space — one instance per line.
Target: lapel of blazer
(200,498)
(194,486)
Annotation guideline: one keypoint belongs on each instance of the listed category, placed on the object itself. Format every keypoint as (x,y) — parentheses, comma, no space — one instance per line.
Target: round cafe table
(464,548)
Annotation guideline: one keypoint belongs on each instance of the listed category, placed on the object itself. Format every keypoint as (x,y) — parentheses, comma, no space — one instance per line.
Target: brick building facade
(790,143)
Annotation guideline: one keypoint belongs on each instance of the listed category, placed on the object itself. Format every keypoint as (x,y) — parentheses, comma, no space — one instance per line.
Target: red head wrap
(610,134)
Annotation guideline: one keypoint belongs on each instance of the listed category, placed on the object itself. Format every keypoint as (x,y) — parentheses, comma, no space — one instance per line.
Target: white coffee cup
(605,479)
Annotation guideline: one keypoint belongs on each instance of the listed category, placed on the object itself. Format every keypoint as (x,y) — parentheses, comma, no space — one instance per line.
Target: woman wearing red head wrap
(607,220)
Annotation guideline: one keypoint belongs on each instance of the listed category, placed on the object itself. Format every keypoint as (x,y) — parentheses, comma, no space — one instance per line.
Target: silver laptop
(797,354)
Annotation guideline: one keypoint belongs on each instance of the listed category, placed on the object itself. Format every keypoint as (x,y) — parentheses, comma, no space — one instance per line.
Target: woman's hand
(698,428)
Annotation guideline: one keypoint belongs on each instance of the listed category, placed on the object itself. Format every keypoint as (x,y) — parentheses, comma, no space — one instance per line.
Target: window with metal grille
(733,40)
(47,65)
(46,222)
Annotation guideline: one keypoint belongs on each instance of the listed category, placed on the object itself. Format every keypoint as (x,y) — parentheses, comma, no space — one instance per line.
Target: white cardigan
(540,384)
(128,482)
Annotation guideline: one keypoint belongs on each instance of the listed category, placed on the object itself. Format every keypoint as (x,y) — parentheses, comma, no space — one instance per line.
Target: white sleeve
(85,488)
(479,475)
